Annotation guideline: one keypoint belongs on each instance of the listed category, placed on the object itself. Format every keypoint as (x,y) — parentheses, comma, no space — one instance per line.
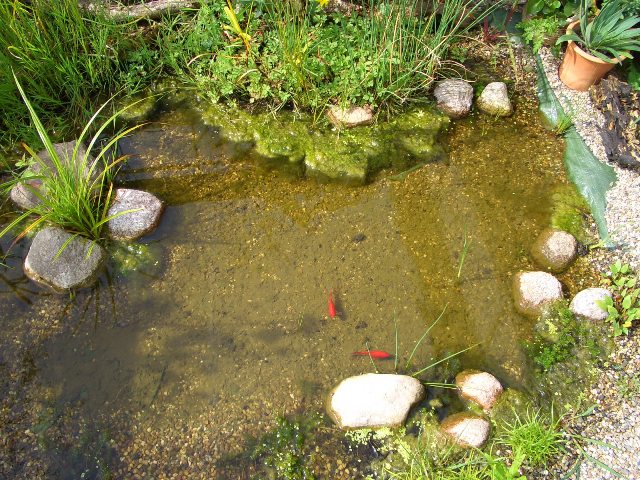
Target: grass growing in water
(76,191)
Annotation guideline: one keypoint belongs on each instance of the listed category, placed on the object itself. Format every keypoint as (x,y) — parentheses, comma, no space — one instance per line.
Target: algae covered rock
(532,291)
(374,400)
(554,250)
(511,405)
(466,429)
(585,304)
(454,97)
(494,100)
(130,257)
(63,261)
(479,387)
(138,109)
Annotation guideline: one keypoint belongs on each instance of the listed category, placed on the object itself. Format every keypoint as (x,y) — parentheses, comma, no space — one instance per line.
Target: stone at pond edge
(479,387)
(554,250)
(350,117)
(75,266)
(466,429)
(374,400)
(142,215)
(454,97)
(585,304)
(494,100)
(532,291)
(23,193)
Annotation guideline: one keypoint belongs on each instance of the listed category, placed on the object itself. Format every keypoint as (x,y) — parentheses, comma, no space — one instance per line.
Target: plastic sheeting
(591,177)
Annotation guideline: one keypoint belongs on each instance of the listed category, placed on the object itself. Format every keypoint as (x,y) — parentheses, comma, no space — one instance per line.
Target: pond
(224,326)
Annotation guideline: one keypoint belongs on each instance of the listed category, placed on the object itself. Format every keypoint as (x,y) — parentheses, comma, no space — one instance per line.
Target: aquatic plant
(76,191)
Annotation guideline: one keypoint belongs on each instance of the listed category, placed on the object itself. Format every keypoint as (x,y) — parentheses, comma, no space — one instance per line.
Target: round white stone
(479,387)
(585,304)
(466,429)
(374,400)
(533,291)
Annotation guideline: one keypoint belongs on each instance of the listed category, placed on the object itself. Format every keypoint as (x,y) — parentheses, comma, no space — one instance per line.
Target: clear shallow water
(228,327)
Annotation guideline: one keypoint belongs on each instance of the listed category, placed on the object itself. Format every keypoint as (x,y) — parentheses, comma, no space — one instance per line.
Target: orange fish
(332,306)
(375,354)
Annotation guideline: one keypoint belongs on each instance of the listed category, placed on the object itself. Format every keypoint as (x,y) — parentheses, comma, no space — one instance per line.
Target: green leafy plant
(76,192)
(624,307)
(549,8)
(609,36)
(536,30)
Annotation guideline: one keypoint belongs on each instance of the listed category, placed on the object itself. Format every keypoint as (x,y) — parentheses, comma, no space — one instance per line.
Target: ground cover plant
(624,307)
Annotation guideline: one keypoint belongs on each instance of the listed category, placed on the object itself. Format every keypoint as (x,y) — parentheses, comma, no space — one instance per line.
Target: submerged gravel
(615,422)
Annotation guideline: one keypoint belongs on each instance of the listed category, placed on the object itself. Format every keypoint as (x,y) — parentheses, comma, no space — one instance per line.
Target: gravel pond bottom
(171,370)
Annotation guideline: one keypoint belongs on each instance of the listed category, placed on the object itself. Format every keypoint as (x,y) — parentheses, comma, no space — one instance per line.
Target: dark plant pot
(579,69)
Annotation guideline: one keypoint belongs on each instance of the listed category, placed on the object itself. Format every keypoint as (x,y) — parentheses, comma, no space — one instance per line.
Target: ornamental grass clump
(75,192)
(610,36)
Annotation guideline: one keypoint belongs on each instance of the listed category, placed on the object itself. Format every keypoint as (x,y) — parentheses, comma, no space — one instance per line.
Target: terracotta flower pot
(579,70)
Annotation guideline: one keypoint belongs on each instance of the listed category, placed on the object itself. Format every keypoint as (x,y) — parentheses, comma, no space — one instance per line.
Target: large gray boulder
(494,100)
(585,304)
(77,265)
(350,117)
(454,97)
(138,213)
(466,429)
(374,400)
(479,387)
(533,291)
(25,192)
(554,250)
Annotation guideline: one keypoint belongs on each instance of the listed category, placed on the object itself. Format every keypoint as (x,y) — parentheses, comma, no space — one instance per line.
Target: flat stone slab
(374,400)
(554,250)
(494,100)
(466,429)
(138,214)
(76,266)
(585,304)
(454,97)
(479,387)
(25,192)
(533,291)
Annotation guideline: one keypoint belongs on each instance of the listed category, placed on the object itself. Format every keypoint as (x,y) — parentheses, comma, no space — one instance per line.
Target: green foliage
(534,438)
(283,450)
(536,30)
(633,75)
(628,7)
(624,307)
(552,8)
(559,336)
(76,191)
(609,35)
(629,385)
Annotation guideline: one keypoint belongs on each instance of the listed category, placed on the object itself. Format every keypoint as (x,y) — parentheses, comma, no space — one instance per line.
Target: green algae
(352,156)
(569,213)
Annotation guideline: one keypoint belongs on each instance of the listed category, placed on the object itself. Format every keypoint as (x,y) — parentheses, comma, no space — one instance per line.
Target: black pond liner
(591,177)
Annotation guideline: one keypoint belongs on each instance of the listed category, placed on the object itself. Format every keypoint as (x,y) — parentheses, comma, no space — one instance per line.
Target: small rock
(494,100)
(585,304)
(554,250)
(75,266)
(466,429)
(479,387)
(374,400)
(350,117)
(454,97)
(25,193)
(142,215)
(532,291)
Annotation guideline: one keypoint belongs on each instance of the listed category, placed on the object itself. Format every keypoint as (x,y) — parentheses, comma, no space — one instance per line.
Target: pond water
(226,327)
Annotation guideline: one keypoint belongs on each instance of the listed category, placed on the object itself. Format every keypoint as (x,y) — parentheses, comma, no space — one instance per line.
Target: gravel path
(616,419)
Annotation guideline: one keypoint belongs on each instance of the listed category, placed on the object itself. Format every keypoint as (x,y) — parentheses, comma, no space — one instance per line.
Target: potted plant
(595,47)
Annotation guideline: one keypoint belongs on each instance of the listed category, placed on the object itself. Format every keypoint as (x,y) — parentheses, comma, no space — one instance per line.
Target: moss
(136,257)
(511,405)
(569,213)
(138,109)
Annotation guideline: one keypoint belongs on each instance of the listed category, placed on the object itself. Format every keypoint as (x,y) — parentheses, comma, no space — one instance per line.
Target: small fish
(375,354)
(332,307)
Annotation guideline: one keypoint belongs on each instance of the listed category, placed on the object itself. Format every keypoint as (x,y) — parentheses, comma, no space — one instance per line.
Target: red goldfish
(332,307)
(375,354)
